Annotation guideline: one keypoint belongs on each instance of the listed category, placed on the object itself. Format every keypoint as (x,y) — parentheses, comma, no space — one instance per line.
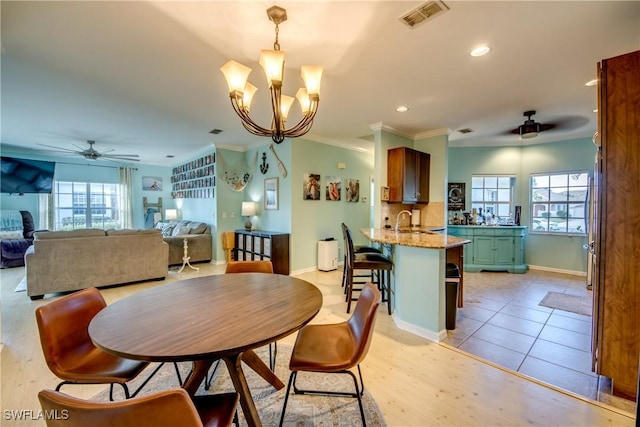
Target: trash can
(451,281)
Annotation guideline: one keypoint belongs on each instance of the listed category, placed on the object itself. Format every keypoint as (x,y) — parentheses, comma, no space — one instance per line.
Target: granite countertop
(421,237)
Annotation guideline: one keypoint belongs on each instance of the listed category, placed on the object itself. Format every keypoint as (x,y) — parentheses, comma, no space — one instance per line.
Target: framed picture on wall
(334,188)
(311,186)
(456,196)
(353,190)
(271,194)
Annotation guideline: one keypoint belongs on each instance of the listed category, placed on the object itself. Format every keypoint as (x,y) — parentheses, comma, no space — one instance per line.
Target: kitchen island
(419,256)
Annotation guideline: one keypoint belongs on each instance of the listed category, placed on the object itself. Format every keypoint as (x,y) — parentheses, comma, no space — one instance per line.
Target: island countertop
(417,238)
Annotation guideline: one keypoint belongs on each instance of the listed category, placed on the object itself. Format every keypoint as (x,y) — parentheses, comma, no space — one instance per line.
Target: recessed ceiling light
(402,109)
(480,51)
(593,82)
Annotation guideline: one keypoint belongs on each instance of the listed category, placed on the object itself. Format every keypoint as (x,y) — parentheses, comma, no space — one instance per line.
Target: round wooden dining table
(207,318)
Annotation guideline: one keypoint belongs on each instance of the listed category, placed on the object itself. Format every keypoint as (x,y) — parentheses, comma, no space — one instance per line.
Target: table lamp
(248,209)
(171,214)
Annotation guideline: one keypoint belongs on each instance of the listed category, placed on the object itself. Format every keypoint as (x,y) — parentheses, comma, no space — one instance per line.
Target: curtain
(125,204)
(45,211)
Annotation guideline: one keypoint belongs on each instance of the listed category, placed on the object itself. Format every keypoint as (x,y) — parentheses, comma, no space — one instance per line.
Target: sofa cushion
(14,249)
(178,226)
(126,231)
(197,228)
(89,232)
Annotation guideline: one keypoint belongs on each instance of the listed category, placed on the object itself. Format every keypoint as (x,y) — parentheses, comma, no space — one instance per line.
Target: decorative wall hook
(264,167)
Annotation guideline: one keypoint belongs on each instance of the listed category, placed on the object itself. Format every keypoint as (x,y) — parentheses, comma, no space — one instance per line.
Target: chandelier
(272,62)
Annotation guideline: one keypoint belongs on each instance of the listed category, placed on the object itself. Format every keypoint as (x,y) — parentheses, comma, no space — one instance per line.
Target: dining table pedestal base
(234,366)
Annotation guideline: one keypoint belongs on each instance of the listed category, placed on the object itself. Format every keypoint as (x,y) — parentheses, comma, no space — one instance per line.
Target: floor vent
(423,13)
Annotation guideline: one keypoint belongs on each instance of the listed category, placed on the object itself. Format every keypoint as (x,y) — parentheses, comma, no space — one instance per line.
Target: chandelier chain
(276,45)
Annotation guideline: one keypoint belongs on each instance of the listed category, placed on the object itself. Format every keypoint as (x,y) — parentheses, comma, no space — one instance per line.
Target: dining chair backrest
(228,244)
(362,321)
(167,408)
(348,247)
(255,266)
(63,325)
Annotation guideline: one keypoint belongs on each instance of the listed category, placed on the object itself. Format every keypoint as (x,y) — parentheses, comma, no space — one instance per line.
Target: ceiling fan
(530,128)
(92,154)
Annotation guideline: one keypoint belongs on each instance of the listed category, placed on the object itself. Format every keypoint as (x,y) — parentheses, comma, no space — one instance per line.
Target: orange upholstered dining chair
(167,408)
(336,348)
(255,266)
(70,354)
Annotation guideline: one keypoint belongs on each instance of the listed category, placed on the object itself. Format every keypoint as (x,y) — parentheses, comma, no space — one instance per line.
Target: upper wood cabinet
(408,175)
(617,277)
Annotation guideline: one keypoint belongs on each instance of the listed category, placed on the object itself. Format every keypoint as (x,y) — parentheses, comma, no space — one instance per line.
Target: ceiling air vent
(423,13)
(465,130)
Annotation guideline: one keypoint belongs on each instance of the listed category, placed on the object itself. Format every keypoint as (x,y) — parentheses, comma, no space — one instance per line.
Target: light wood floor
(415,382)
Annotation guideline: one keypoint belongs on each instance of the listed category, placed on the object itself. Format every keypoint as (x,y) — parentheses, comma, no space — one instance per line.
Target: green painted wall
(564,253)
(313,220)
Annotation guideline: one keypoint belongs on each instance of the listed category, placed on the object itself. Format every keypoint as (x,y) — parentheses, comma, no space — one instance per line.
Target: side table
(185,256)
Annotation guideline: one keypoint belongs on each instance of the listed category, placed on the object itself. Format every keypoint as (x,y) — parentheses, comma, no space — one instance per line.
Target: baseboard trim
(558,270)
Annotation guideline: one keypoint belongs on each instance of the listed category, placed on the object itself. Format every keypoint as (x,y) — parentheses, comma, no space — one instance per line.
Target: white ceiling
(142,77)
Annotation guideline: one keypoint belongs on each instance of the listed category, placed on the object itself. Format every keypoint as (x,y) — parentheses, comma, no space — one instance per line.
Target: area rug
(22,286)
(567,302)
(302,411)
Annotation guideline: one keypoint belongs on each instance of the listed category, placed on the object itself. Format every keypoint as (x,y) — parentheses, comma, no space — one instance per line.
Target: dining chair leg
(286,396)
(358,393)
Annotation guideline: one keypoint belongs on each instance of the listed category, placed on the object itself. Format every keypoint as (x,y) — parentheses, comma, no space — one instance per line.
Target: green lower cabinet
(492,248)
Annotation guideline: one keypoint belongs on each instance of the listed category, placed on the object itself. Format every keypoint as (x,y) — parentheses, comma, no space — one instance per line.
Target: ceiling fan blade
(131,157)
(59,148)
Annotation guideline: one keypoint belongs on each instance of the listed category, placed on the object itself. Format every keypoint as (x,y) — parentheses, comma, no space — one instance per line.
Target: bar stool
(376,263)
(357,249)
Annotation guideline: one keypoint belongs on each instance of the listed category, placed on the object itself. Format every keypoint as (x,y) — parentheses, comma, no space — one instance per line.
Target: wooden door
(618,247)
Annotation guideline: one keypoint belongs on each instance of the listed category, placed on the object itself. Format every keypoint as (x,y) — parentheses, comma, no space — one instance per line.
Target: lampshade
(171,214)
(249,208)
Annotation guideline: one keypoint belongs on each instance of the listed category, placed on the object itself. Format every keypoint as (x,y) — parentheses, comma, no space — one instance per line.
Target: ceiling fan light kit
(272,62)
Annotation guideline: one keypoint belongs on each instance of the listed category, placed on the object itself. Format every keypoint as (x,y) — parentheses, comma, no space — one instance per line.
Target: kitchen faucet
(398,218)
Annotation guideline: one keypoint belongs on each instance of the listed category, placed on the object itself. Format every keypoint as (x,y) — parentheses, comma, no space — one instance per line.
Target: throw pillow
(167,230)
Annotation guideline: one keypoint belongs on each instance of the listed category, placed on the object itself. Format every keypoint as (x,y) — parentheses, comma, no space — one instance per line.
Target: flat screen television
(18,176)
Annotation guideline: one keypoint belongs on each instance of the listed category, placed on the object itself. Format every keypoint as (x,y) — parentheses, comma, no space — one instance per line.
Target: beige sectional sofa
(62,261)
(199,241)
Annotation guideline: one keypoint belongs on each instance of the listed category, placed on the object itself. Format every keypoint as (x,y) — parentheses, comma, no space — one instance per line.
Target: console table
(267,245)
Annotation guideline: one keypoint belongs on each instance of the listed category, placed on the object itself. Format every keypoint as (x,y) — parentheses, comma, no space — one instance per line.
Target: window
(558,202)
(492,195)
(86,205)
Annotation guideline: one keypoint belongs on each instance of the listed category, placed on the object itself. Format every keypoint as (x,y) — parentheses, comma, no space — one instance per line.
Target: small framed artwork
(311,186)
(151,183)
(353,190)
(271,194)
(334,188)
(456,196)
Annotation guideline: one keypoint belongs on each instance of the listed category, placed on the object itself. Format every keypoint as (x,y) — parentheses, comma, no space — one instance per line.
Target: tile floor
(503,322)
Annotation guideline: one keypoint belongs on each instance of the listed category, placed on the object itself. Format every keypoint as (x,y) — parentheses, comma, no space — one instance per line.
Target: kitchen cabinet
(408,175)
(616,314)
(492,248)
(264,245)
